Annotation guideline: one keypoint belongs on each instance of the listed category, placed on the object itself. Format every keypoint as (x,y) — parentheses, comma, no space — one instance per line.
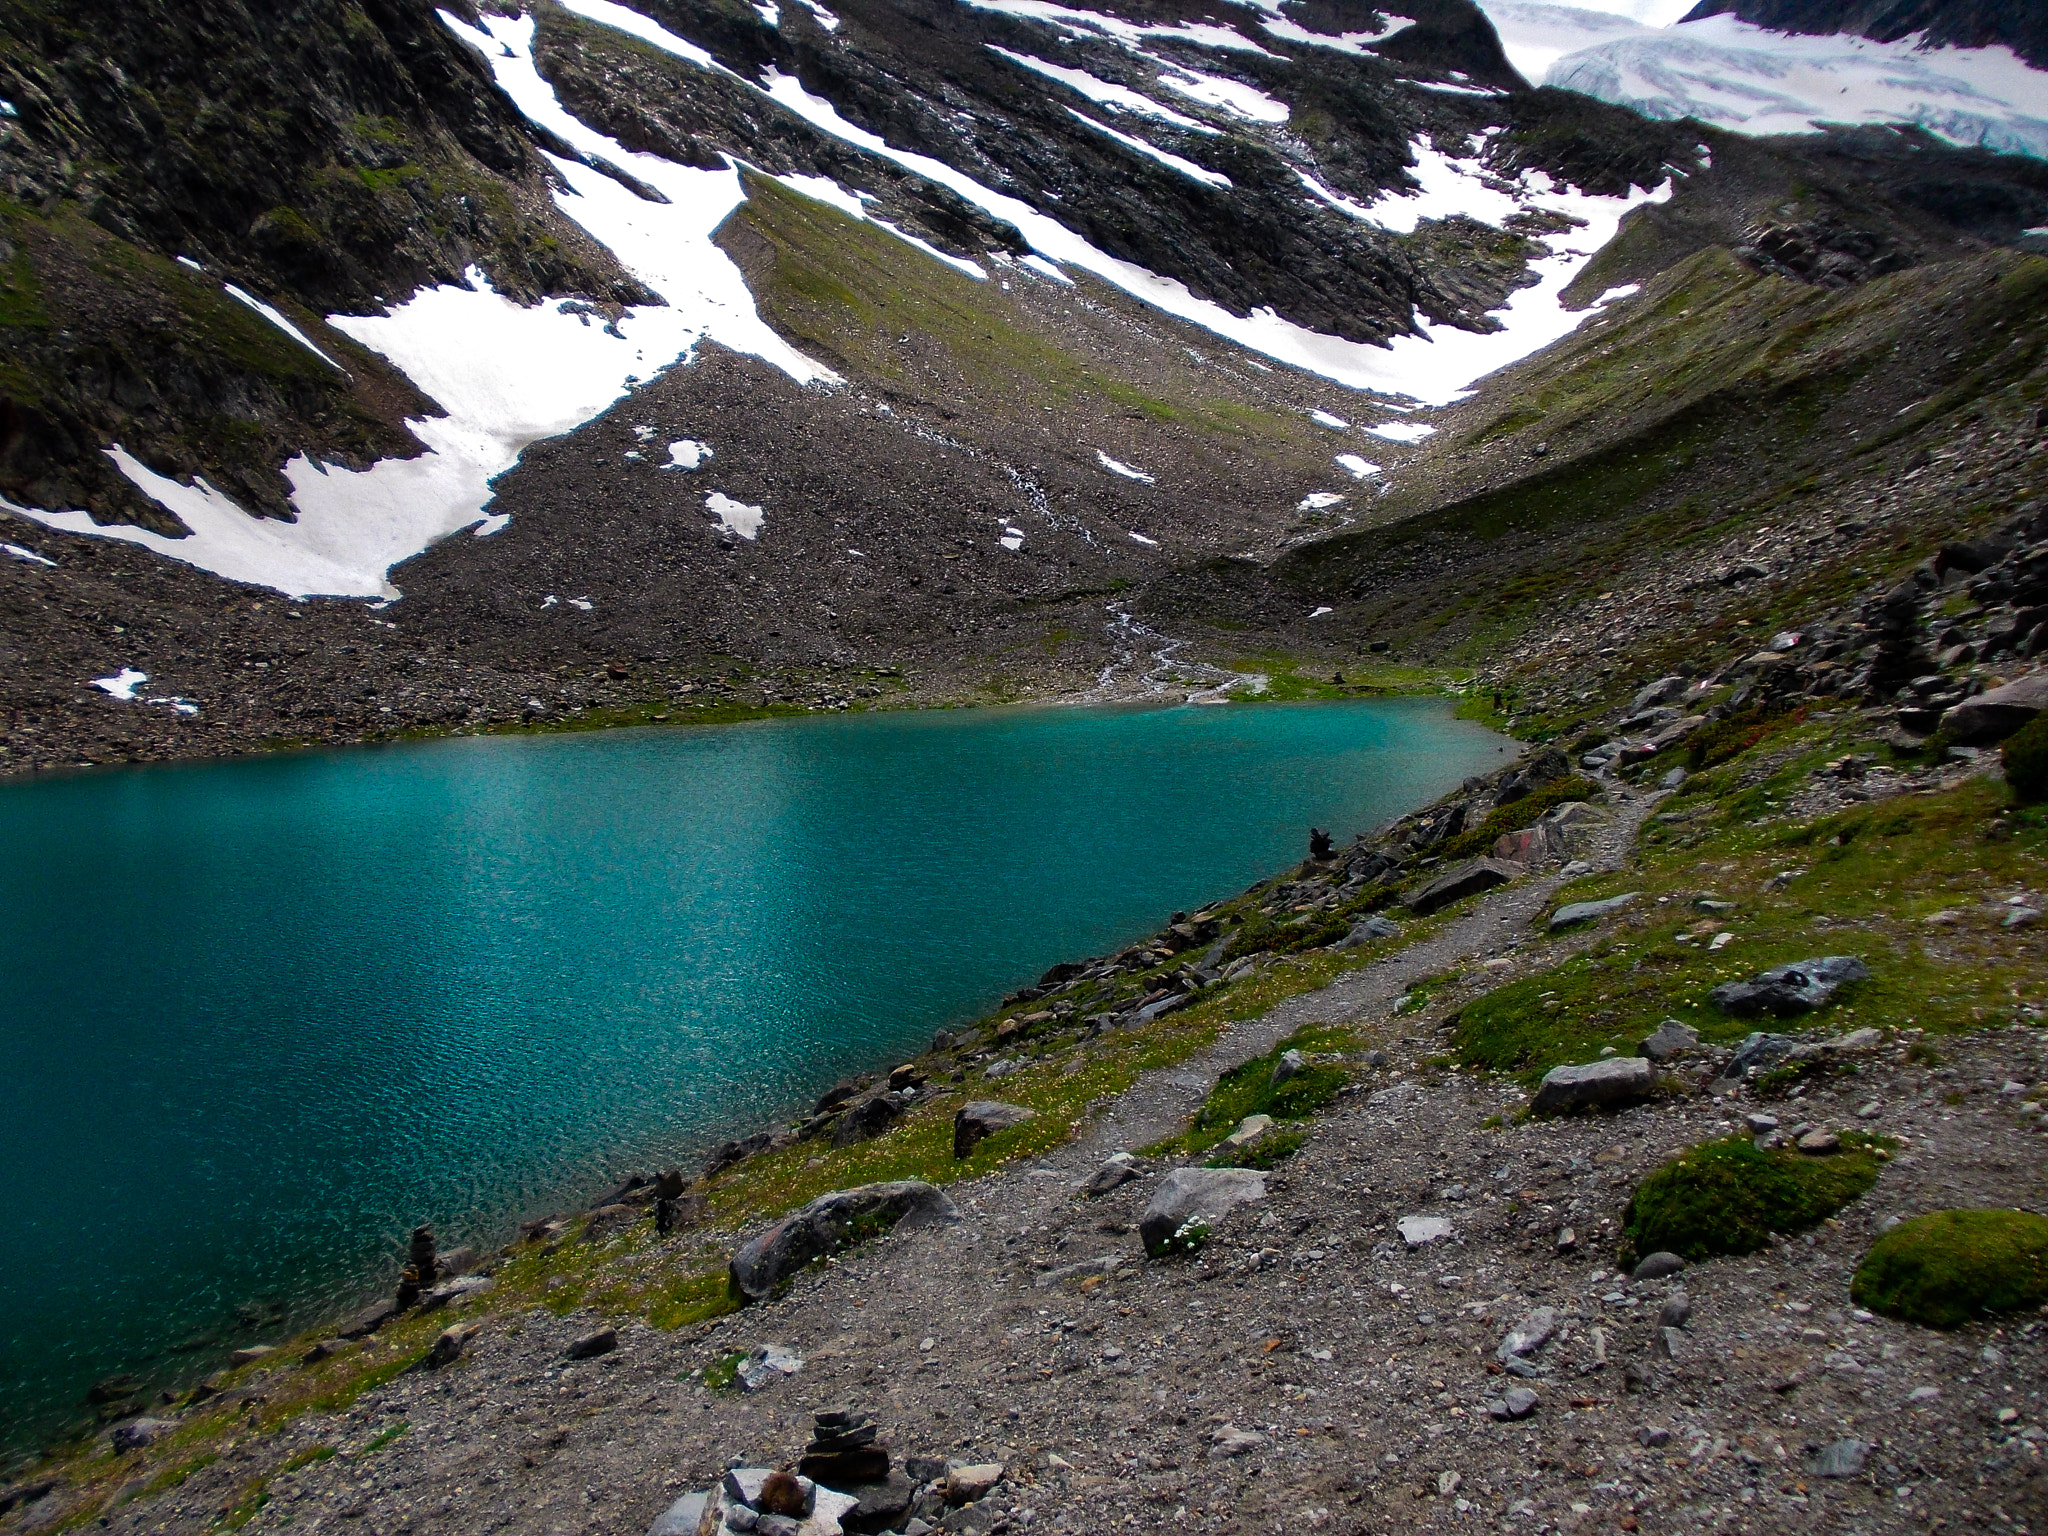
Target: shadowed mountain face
(1947,23)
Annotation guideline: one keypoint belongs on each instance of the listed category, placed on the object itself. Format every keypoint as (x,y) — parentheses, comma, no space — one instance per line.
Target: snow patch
(825,18)
(1360,43)
(1140,538)
(1118,98)
(495,523)
(1079,23)
(772,14)
(122,684)
(735,516)
(1012,539)
(1325,419)
(1187,168)
(278,320)
(686,453)
(1116,467)
(1315,501)
(1402,431)
(1233,96)
(1355,466)
(28,555)
(1318,613)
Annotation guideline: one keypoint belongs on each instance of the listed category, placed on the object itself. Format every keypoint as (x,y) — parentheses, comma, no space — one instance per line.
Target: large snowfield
(508,375)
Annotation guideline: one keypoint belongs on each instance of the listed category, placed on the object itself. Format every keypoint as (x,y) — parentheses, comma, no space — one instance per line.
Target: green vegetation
(2025,756)
(1514,816)
(723,1374)
(385,1436)
(1248,1089)
(306,1457)
(1268,1151)
(1726,1197)
(1949,1268)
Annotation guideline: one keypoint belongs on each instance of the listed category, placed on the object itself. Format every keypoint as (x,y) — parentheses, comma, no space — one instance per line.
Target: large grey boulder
(1997,713)
(975,1122)
(865,1119)
(1589,911)
(1594,1085)
(772,1255)
(1204,1195)
(1366,929)
(1466,880)
(1799,987)
(137,1433)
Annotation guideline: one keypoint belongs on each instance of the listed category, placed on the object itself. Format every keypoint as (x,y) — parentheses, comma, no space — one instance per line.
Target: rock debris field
(1416,1322)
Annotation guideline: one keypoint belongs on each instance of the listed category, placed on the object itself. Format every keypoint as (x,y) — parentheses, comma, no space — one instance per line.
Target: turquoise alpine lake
(262,1017)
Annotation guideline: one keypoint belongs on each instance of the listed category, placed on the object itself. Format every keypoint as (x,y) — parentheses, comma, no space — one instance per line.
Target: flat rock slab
(1800,987)
(781,1249)
(1421,1231)
(1466,880)
(975,1122)
(1674,1037)
(1998,712)
(1589,911)
(1196,1194)
(1594,1085)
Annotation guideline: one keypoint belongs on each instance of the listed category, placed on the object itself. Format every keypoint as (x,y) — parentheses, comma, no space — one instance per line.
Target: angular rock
(1672,1344)
(1114,1174)
(1997,713)
(974,1122)
(1229,1441)
(1673,1038)
(1196,1194)
(1529,1335)
(772,1255)
(1844,1458)
(731,1152)
(137,1433)
(1290,1065)
(1421,1231)
(1514,1404)
(591,1345)
(370,1319)
(882,1505)
(251,1354)
(449,1345)
(1800,987)
(1677,1310)
(1366,929)
(1249,1130)
(1594,1085)
(1590,911)
(1466,880)
(1819,1141)
(682,1517)
(865,1119)
(1758,1053)
(458,1289)
(766,1364)
(965,1484)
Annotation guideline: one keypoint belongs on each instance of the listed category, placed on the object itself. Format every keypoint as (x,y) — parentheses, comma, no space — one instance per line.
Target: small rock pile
(843,1484)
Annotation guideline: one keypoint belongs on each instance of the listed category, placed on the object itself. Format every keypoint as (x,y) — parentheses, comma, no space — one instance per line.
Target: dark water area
(261,1017)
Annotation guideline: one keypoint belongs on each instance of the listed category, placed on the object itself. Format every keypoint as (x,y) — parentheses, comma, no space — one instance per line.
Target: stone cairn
(844,1452)
(421,1267)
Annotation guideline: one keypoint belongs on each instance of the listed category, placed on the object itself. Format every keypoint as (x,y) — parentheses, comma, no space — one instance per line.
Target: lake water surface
(261,1017)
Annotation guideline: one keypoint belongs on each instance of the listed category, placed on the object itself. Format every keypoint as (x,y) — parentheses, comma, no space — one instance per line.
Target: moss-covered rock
(1727,1197)
(1948,1268)
(2025,756)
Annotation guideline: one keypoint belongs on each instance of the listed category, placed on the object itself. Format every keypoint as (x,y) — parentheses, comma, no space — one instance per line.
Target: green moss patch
(1726,1197)
(1248,1089)
(1949,1268)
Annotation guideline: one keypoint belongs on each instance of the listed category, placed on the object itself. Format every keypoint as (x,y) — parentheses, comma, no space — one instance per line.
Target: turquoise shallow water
(261,1017)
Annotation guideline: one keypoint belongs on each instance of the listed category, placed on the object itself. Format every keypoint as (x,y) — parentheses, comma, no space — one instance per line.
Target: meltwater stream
(261,1017)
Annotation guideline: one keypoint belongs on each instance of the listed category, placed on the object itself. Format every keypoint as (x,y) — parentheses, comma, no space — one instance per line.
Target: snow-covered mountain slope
(1728,71)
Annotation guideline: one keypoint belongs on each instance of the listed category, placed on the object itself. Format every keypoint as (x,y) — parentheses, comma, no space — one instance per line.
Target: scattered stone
(370,1319)
(1820,1141)
(1674,1037)
(250,1355)
(1800,987)
(965,1484)
(591,1345)
(1588,911)
(1290,1065)
(137,1433)
(1760,1123)
(458,1289)
(1514,1404)
(1656,1266)
(326,1349)
(772,1255)
(1677,1310)
(1366,930)
(976,1121)
(1844,1458)
(447,1348)
(1594,1085)
(766,1364)
(1567,1240)
(1529,1335)
(1206,1195)
(1229,1441)
(1249,1130)
(1672,1344)
(1467,880)
(1421,1231)
(866,1118)
(1652,1436)
(1120,1170)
